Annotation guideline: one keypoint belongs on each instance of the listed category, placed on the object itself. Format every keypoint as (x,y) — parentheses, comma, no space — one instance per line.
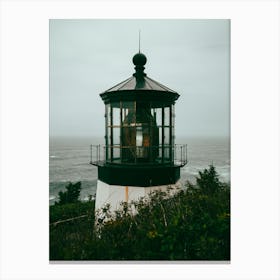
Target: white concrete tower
(140,154)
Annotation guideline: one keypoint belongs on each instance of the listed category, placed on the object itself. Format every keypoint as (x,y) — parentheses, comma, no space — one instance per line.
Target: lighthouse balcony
(168,155)
(139,165)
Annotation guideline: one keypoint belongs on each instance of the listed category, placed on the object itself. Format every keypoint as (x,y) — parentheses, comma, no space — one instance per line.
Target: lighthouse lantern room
(140,154)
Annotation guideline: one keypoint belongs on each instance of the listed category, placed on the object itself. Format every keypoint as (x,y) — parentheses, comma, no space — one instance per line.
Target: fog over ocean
(69,162)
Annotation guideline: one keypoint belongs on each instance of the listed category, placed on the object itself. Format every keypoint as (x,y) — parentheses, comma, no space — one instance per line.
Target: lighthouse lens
(139,136)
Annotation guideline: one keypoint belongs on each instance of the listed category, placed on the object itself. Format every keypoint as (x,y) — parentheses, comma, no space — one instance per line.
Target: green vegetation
(190,225)
(71,195)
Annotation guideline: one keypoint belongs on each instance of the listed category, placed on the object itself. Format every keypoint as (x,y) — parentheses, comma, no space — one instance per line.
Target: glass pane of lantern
(172,153)
(173,115)
(116,152)
(139,136)
(116,117)
(106,135)
(166,116)
(167,151)
(160,136)
(128,136)
(167,136)
(116,114)
(124,113)
(148,137)
(153,111)
(108,142)
(128,113)
(158,116)
(128,144)
(173,135)
(143,113)
(108,153)
(108,114)
(116,136)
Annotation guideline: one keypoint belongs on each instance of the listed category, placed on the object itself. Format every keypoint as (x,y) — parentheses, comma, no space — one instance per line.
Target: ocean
(69,162)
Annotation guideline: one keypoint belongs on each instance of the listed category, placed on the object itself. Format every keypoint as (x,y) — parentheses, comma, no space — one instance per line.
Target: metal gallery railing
(117,154)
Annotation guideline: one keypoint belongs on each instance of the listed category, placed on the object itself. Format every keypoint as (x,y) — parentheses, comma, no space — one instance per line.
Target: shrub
(71,195)
(190,225)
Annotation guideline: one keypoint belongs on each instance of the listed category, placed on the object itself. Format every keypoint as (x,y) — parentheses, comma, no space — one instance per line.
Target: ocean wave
(55,157)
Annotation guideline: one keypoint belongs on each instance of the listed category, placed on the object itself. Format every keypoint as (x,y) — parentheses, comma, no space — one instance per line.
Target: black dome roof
(140,87)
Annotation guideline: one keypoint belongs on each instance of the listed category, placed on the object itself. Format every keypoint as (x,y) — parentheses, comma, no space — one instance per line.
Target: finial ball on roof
(139,59)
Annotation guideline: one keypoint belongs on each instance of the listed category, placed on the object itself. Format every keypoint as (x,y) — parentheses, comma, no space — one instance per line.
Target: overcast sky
(191,57)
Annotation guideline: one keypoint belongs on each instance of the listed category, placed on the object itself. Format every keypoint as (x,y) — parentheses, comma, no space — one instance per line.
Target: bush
(71,195)
(190,225)
(71,227)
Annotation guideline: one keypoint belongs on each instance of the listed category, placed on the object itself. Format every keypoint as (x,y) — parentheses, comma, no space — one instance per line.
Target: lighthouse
(140,154)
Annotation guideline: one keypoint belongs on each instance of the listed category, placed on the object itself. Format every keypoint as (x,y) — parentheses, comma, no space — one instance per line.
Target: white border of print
(254,138)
